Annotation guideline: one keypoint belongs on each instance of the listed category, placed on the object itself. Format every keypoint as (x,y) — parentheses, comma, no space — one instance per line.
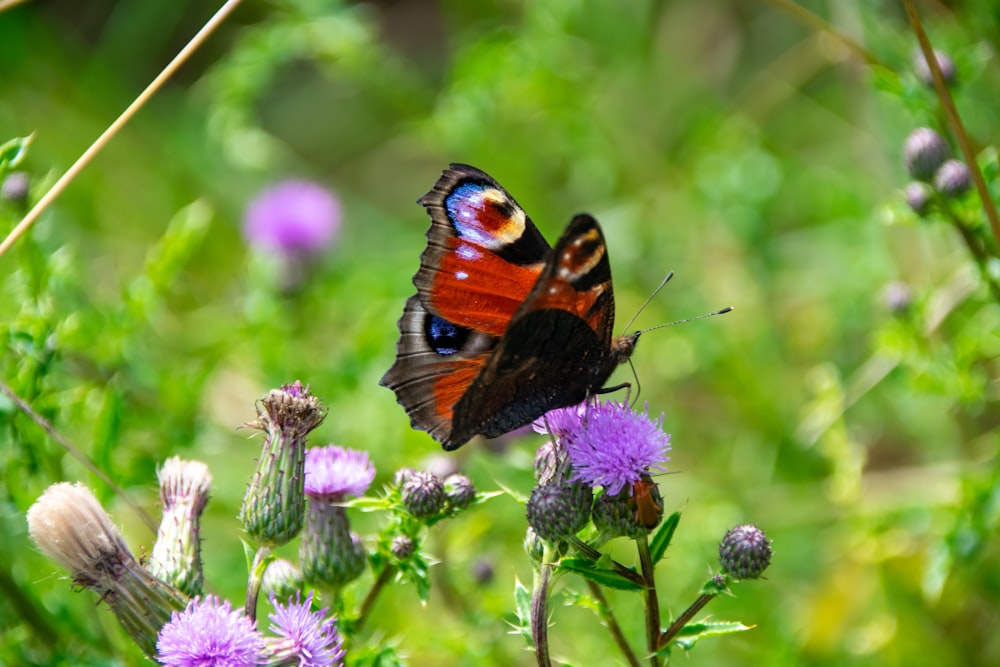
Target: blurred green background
(727,141)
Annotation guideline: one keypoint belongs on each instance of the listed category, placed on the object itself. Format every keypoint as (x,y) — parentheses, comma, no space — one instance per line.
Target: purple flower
(292,218)
(209,633)
(609,445)
(304,634)
(335,472)
(561,421)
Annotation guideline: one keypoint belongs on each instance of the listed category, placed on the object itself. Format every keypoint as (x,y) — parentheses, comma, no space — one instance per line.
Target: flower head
(745,552)
(274,504)
(953,178)
(293,218)
(210,633)
(923,69)
(70,526)
(423,494)
(176,558)
(611,446)
(336,472)
(918,197)
(304,635)
(923,152)
(559,510)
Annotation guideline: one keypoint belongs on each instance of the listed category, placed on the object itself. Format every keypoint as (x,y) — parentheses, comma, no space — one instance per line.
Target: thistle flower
(336,473)
(613,447)
(210,633)
(293,218)
(70,527)
(558,511)
(305,637)
(329,552)
(176,557)
(274,505)
(459,491)
(953,178)
(423,494)
(745,552)
(923,152)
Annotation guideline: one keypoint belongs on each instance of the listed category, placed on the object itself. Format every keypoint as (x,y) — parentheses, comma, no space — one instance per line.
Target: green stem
(366,606)
(539,609)
(261,559)
(977,248)
(604,611)
(595,555)
(649,597)
(954,120)
(684,618)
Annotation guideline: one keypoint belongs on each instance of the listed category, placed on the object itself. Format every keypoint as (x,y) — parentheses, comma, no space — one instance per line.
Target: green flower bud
(459,491)
(558,511)
(274,505)
(176,557)
(329,553)
(423,495)
(923,152)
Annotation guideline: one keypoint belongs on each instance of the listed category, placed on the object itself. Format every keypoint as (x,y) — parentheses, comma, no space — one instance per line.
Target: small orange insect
(647,501)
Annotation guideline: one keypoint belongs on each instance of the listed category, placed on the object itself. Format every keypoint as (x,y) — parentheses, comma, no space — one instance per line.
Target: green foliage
(758,159)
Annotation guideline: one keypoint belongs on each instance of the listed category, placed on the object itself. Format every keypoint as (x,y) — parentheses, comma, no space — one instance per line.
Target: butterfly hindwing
(558,347)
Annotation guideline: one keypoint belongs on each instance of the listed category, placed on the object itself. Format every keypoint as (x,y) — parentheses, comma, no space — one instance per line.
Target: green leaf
(692,632)
(665,533)
(588,569)
(13,152)
(522,607)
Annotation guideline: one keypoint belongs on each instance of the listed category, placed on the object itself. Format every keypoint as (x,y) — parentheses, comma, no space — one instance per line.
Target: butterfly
(503,327)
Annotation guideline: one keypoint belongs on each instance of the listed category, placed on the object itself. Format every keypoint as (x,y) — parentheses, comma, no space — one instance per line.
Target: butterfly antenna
(663,284)
(689,319)
(638,386)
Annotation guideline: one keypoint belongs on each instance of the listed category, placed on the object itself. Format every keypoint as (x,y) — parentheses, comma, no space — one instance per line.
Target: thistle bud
(953,179)
(176,558)
(558,511)
(923,152)
(745,552)
(274,505)
(918,197)
(70,527)
(402,547)
(459,491)
(423,495)
(282,579)
(15,187)
(923,70)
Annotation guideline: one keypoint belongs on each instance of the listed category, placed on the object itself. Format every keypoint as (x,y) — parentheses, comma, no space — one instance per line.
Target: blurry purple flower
(334,472)
(610,445)
(209,633)
(305,637)
(293,218)
(953,178)
(923,70)
(918,197)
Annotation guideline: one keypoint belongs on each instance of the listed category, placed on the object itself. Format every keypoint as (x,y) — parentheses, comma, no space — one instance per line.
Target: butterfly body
(503,328)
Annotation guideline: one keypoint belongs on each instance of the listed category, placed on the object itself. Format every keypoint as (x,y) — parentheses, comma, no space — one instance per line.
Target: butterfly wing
(558,347)
(483,257)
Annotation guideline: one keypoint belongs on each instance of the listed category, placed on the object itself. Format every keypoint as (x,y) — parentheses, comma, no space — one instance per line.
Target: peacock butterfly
(503,328)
